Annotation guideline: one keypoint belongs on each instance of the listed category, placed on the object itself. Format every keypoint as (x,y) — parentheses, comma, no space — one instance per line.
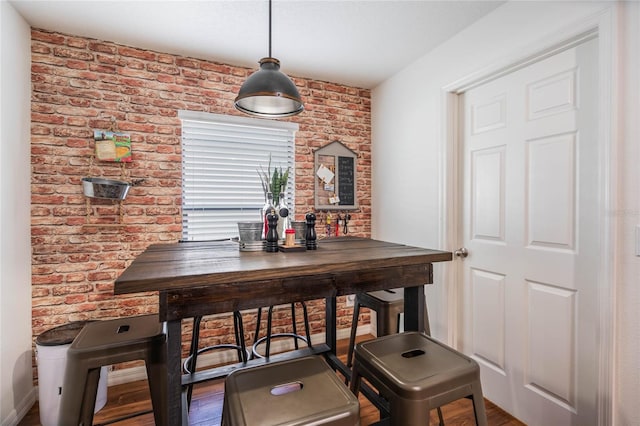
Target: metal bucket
(250,231)
(301,231)
(105,188)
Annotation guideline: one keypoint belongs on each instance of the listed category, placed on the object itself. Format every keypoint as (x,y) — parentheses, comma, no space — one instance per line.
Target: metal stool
(388,305)
(190,362)
(109,342)
(301,391)
(415,373)
(258,341)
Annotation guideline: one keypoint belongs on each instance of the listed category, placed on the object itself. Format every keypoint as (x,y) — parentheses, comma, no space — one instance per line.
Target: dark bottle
(272,233)
(310,237)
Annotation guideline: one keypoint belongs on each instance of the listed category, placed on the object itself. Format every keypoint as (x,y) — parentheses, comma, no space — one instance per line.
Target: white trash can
(51,358)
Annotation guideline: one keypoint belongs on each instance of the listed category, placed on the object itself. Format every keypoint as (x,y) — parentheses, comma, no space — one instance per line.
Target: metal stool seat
(295,336)
(296,392)
(190,363)
(109,342)
(415,373)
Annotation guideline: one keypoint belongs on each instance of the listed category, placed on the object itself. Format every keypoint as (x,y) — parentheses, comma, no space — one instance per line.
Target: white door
(530,226)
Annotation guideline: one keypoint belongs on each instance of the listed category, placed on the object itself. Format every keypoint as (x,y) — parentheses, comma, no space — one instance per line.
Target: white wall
(408,145)
(16,380)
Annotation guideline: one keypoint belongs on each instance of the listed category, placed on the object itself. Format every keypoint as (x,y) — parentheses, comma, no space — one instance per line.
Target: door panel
(550,185)
(487,209)
(530,225)
(551,370)
(489,317)
(552,95)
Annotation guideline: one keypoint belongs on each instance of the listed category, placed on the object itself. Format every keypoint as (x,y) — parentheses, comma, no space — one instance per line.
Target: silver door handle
(461,252)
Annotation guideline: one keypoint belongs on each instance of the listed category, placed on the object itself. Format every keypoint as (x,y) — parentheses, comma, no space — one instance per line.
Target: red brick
(75,299)
(187,63)
(101,276)
(136,73)
(133,82)
(78,65)
(46,59)
(77,121)
(159,68)
(75,277)
(39,291)
(40,130)
(73,53)
(166,58)
(187,81)
(66,132)
(137,53)
(102,47)
(47,36)
(40,48)
(108,69)
(81,93)
(47,118)
(47,279)
(77,42)
(164,78)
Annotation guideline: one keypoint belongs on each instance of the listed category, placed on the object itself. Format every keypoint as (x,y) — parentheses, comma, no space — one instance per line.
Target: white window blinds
(221,156)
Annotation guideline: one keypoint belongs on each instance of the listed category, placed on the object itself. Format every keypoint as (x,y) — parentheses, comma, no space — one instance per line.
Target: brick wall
(79,84)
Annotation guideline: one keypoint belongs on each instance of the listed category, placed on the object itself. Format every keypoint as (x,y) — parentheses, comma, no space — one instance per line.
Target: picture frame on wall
(335,169)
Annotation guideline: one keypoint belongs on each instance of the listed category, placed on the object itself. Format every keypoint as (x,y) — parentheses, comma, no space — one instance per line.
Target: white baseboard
(118,377)
(21,409)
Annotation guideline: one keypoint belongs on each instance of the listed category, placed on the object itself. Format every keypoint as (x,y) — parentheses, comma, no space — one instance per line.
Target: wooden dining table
(203,278)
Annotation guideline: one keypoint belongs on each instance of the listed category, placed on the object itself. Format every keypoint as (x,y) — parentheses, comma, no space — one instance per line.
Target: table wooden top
(185,265)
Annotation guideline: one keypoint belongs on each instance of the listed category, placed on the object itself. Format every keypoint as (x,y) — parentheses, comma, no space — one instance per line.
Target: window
(221,156)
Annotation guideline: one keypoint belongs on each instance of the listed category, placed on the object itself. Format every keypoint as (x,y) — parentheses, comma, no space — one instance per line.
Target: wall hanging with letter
(335,178)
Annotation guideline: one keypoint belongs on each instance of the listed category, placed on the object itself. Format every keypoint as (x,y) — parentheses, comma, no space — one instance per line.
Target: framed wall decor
(335,177)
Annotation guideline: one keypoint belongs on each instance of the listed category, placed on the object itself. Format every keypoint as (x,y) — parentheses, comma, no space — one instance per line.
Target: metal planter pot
(105,188)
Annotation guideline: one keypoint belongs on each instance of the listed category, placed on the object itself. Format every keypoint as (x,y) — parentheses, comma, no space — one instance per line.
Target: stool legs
(75,406)
(305,315)
(478,404)
(191,362)
(257,341)
(157,373)
(406,416)
(108,342)
(354,329)
(387,322)
(89,400)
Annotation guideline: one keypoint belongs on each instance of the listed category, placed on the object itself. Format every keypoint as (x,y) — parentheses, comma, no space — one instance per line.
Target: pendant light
(268,92)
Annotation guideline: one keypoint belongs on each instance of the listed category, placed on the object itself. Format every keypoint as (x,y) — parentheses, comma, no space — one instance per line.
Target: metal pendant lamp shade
(268,92)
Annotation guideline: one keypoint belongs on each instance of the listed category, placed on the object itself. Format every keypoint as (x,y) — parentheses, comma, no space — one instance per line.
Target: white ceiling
(357,43)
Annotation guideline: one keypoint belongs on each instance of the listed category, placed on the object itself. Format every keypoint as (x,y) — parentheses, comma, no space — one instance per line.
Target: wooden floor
(206,407)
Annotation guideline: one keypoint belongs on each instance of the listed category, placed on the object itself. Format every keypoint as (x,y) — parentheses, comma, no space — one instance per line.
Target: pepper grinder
(310,237)
(272,233)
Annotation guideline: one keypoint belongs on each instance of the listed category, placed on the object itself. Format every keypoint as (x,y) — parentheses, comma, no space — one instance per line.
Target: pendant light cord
(270,28)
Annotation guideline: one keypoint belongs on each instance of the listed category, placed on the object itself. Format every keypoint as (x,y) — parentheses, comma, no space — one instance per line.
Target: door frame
(603,27)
